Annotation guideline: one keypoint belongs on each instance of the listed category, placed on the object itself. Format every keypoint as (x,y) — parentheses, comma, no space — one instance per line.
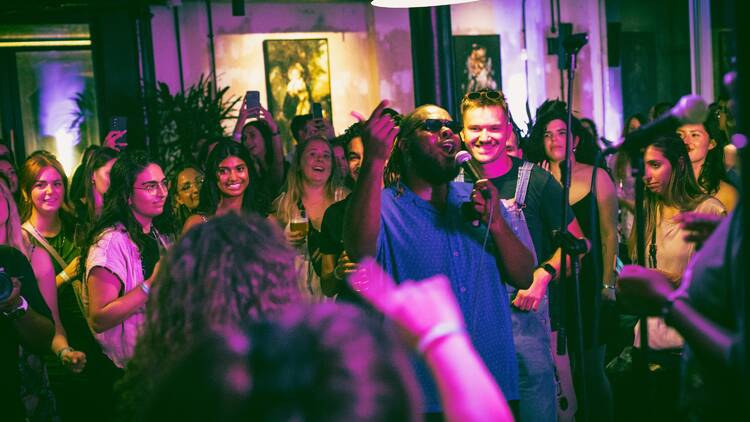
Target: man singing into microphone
(531,196)
(416,228)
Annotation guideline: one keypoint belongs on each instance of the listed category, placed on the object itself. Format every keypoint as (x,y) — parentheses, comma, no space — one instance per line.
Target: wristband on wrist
(64,276)
(145,287)
(437,333)
(277,133)
(63,351)
(549,268)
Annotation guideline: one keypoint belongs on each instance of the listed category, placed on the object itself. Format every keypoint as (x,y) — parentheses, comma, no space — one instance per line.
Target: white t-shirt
(116,252)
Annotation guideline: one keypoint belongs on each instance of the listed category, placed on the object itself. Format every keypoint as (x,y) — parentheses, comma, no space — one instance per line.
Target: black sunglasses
(492,95)
(434,125)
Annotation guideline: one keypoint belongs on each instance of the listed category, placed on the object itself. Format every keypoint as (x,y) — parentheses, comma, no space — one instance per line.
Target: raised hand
(110,141)
(417,307)
(378,133)
(697,226)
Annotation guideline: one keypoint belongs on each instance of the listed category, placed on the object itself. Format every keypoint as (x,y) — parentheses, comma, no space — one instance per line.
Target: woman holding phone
(259,134)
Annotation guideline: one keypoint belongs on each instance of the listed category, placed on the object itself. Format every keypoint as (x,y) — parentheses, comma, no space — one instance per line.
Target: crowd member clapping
(312,185)
(123,254)
(228,185)
(231,271)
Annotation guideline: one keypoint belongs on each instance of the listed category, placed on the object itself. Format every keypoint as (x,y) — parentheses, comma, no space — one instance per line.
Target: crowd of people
(364,276)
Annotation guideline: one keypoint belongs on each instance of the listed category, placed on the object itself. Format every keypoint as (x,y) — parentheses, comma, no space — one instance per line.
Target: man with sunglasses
(418,227)
(528,193)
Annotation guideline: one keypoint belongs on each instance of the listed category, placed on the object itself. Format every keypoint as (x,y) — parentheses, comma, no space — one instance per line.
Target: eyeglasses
(492,95)
(434,125)
(186,187)
(153,187)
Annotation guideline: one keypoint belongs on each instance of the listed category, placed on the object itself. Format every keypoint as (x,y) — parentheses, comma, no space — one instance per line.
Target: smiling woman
(312,185)
(229,184)
(123,256)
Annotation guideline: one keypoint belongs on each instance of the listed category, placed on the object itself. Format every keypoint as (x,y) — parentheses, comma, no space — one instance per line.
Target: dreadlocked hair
(230,271)
(397,160)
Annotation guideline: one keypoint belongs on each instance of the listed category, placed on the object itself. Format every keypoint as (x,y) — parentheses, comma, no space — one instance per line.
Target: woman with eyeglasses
(184,192)
(547,146)
(122,259)
(312,185)
(228,186)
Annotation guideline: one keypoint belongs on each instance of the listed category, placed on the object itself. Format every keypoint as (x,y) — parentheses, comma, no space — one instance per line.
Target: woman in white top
(124,251)
(671,190)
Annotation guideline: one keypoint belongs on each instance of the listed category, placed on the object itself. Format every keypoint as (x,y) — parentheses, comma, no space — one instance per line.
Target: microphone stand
(569,245)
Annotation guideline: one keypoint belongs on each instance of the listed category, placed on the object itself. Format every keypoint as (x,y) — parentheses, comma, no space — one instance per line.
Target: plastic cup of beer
(298,225)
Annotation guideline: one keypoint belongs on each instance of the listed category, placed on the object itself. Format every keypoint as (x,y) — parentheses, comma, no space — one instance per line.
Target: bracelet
(610,287)
(277,133)
(64,350)
(64,276)
(437,333)
(146,289)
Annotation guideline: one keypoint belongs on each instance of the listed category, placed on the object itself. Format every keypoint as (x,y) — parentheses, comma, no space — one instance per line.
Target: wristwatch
(19,311)
(550,269)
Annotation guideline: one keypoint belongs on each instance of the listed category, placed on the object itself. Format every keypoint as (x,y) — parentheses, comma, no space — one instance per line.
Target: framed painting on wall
(477,63)
(297,75)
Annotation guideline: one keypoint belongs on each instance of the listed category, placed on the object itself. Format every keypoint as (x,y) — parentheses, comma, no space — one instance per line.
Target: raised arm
(362,217)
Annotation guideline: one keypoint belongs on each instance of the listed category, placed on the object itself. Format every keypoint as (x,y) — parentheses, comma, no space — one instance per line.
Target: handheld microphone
(463,160)
(691,109)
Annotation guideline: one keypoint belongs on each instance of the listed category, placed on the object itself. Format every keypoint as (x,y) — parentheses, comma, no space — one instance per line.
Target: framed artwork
(297,75)
(477,63)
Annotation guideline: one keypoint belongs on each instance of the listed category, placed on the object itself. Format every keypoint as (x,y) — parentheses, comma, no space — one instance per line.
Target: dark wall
(120,62)
(654,51)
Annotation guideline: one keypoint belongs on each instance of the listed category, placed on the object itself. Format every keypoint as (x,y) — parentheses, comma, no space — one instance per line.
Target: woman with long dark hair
(228,184)
(597,279)
(705,144)
(312,185)
(123,253)
(671,190)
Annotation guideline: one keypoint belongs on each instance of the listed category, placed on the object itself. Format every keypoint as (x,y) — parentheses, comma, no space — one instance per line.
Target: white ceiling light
(416,3)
